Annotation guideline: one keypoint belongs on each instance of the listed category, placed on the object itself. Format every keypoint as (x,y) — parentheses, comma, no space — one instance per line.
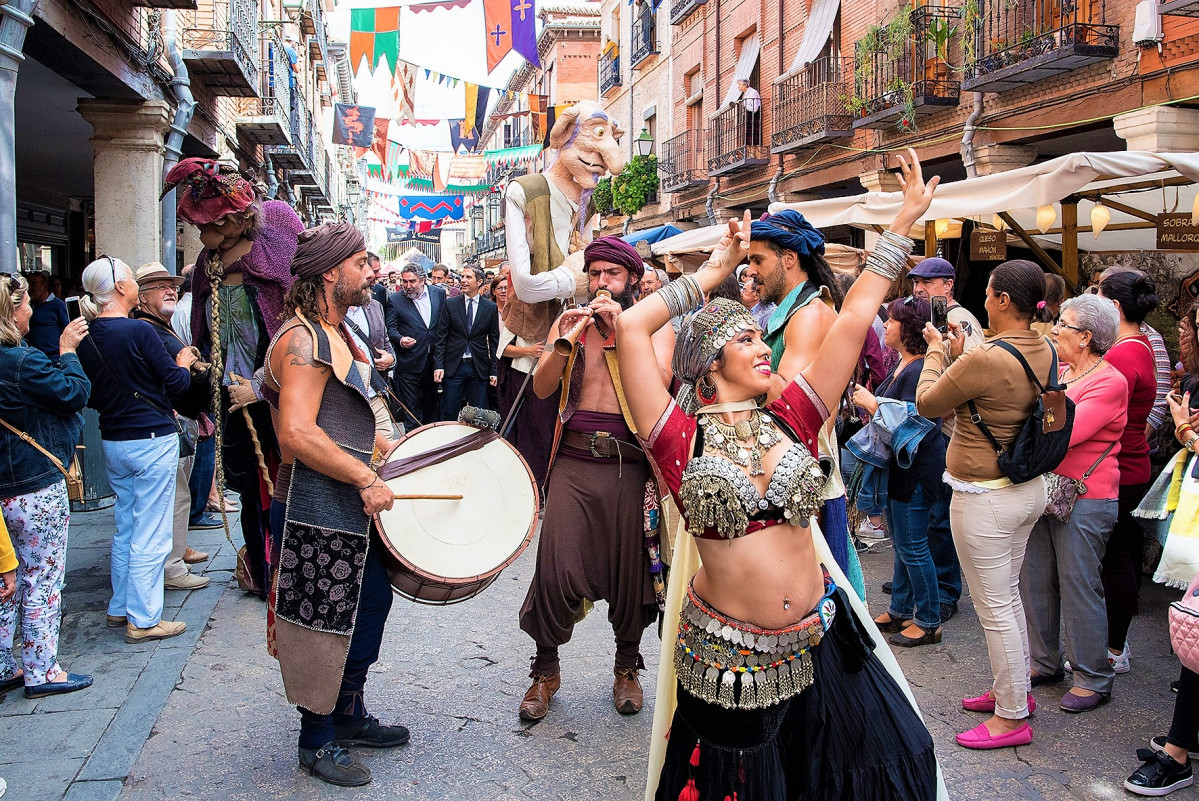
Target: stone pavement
(455,676)
(82,745)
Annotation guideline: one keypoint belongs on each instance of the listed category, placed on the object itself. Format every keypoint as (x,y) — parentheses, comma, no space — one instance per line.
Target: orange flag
(497,16)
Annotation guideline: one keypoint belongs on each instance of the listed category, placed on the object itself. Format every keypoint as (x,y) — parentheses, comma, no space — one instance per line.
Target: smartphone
(73,310)
(940,314)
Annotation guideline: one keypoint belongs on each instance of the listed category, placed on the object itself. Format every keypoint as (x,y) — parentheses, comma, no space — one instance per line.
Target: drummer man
(592,544)
(331,593)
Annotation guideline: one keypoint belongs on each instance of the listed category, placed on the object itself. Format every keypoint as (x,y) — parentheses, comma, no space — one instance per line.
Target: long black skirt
(851,736)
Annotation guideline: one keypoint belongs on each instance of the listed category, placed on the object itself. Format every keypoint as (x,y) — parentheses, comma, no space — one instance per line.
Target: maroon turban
(615,250)
(321,249)
(208,190)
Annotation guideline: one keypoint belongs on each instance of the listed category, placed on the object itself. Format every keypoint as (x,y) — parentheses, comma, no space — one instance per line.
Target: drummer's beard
(347,293)
(626,297)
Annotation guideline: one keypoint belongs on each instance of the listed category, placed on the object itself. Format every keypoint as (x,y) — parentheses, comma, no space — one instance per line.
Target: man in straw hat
(156,301)
(331,594)
(598,467)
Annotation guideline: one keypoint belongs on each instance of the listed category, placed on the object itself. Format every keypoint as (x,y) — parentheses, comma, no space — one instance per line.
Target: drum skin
(442,552)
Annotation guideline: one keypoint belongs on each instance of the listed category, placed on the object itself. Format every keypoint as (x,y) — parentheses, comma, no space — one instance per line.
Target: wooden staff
(404,497)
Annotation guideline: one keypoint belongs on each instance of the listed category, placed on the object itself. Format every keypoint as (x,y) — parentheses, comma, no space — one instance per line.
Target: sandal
(890,625)
(926,637)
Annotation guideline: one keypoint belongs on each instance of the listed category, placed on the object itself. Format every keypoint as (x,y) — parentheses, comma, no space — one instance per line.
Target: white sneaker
(869,531)
(1119,662)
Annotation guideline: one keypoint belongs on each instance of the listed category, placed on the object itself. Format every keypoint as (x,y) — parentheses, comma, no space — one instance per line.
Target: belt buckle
(595,438)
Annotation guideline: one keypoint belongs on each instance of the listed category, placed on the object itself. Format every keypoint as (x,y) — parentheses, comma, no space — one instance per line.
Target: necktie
(470,314)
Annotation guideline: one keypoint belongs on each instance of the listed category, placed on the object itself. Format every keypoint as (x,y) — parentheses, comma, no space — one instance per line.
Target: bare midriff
(750,578)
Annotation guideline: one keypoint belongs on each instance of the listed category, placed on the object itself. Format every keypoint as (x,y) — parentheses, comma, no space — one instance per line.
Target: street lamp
(644,143)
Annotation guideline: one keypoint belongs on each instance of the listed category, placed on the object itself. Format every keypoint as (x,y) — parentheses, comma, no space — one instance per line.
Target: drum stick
(403,497)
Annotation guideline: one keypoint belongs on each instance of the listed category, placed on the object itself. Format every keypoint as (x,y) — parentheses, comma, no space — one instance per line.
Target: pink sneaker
(980,739)
(986,703)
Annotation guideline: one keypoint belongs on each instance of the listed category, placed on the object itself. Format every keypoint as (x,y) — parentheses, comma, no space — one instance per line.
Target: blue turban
(789,230)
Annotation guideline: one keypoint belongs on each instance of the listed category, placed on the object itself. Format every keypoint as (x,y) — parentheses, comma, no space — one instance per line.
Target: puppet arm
(556,283)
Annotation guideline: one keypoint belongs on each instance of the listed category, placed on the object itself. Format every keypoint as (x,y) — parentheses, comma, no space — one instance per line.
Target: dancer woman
(781,696)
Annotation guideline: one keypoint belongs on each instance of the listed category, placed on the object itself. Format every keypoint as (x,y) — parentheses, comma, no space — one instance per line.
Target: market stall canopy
(652,235)
(1145,183)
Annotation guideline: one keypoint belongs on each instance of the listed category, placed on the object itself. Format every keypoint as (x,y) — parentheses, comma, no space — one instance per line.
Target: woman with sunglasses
(916,460)
(1060,581)
(43,402)
(133,380)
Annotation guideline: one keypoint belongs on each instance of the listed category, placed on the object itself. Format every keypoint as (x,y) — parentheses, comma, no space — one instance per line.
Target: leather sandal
(926,638)
(889,625)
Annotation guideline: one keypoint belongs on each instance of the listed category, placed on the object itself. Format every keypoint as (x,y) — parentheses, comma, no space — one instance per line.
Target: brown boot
(626,692)
(537,700)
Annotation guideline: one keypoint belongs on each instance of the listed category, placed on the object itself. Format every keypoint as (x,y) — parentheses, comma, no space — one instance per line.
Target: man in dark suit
(378,288)
(464,350)
(412,315)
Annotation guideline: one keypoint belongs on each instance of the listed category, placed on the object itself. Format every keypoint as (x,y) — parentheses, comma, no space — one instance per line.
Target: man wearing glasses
(158,296)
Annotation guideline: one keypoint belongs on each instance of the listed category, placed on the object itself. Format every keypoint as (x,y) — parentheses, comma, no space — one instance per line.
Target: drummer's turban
(790,231)
(615,250)
(322,248)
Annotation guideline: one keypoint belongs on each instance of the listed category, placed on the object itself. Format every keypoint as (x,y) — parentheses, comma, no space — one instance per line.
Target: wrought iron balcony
(645,37)
(897,81)
(220,46)
(682,163)
(735,140)
(809,107)
(609,72)
(1018,42)
(265,120)
(1181,8)
(681,10)
(293,156)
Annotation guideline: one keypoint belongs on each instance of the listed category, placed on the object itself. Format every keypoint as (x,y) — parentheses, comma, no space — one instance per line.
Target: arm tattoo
(299,351)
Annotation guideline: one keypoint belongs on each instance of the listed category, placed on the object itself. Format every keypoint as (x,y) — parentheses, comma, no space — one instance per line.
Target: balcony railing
(897,81)
(265,120)
(682,9)
(735,139)
(220,46)
(683,163)
(645,38)
(318,46)
(1017,42)
(293,156)
(609,72)
(809,106)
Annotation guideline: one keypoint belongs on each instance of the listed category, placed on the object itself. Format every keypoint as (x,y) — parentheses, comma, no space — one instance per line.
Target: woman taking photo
(914,485)
(990,516)
(44,402)
(133,378)
(779,695)
(1060,581)
(1134,295)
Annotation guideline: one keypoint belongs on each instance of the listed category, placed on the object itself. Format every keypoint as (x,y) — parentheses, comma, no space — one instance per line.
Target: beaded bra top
(715,495)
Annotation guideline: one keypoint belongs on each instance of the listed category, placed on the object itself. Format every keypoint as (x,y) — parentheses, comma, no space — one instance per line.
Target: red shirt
(1133,357)
(670,443)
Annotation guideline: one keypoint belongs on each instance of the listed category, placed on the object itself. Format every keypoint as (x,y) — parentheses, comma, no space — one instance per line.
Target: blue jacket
(45,402)
(894,432)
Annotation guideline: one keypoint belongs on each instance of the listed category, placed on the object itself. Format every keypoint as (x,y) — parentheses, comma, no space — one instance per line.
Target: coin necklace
(744,441)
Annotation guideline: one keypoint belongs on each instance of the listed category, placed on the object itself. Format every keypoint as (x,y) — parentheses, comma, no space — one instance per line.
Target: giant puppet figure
(546,216)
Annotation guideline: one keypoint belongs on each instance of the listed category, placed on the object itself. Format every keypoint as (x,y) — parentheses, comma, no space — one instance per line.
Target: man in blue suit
(464,350)
(412,313)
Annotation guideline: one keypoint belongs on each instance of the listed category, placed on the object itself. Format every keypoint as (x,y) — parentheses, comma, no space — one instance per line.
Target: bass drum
(445,551)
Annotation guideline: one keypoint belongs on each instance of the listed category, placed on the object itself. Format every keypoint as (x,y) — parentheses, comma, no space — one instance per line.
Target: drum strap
(614,370)
(471,442)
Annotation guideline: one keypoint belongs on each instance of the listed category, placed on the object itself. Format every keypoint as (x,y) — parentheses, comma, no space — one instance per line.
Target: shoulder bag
(72,474)
(186,446)
(1184,627)
(1061,492)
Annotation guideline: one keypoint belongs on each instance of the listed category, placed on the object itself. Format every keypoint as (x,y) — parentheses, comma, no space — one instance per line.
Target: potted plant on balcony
(636,184)
(938,35)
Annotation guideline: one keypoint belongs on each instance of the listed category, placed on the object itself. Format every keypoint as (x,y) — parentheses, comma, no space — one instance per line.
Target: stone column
(189,241)
(990,159)
(1159,129)
(128,142)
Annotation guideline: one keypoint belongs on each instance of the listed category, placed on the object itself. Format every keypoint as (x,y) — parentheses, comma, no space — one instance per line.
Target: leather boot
(626,692)
(537,700)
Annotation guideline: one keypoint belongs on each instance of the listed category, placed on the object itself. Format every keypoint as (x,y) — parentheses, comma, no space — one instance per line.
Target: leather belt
(602,445)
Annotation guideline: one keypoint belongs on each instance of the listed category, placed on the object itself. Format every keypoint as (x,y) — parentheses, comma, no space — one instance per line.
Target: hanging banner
(431,207)
(468,168)
(374,32)
(524,30)
(497,22)
(461,141)
(513,156)
(353,125)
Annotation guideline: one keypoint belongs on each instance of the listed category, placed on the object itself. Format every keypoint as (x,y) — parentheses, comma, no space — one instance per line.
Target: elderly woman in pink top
(1060,581)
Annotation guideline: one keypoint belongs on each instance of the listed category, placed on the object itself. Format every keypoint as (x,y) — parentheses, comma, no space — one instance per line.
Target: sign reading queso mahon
(1177,232)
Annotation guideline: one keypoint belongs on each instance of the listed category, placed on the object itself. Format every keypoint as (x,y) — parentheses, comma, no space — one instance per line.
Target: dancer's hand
(917,195)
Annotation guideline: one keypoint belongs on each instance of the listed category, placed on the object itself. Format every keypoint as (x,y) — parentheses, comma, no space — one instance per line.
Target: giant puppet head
(588,143)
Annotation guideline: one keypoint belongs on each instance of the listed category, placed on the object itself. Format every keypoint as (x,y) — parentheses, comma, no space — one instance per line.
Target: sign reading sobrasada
(1177,232)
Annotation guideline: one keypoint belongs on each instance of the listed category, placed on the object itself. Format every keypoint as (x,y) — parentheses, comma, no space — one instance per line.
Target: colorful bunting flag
(468,169)
(431,207)
(374,32)
(353,125)
(458,140)
(402,88)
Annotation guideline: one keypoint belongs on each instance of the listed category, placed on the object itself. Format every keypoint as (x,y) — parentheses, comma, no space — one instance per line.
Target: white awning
(816,32)
(745,66)
(1136,179)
